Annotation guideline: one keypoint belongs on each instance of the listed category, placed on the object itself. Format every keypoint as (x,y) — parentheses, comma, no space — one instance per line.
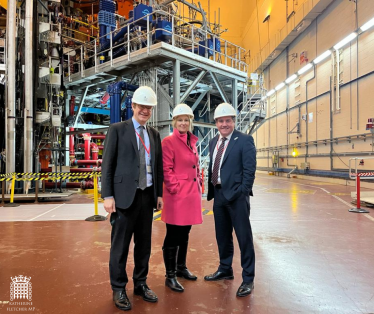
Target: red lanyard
(149,148)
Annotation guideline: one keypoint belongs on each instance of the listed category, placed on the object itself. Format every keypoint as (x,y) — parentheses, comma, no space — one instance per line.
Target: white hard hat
(224,110)
(182,109)
(145,95)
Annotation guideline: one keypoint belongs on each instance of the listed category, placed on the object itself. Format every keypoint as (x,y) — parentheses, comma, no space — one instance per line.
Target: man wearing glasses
(132,178)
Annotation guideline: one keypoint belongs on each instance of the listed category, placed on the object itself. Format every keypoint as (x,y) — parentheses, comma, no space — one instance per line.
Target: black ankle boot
(170,260)
(182,270)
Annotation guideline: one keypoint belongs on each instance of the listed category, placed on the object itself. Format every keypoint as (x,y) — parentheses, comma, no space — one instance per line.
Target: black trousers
(229,216)
(176,235)
(137,220)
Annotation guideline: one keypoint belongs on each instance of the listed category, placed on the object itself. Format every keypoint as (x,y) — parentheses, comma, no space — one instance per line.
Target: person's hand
(160,203)
(110,205)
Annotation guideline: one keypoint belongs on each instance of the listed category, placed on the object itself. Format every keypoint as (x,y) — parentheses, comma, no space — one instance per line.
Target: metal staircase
(249,118)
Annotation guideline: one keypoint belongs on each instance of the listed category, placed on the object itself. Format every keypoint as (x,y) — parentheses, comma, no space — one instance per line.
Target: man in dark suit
(132,178)
(231,175)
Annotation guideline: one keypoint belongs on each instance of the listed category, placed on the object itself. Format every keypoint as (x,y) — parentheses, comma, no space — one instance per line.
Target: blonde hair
(174,122)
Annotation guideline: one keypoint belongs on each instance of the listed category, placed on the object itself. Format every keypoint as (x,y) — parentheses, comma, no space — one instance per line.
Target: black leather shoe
(121,300)
(218,275)
(147,294)
(174,284)
(186,274)
(245,289)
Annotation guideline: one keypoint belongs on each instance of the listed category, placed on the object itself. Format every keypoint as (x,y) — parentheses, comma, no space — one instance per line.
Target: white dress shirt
(147,144)
(218,144)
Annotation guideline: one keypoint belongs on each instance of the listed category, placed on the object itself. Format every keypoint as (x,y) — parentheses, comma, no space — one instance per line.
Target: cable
(340,158)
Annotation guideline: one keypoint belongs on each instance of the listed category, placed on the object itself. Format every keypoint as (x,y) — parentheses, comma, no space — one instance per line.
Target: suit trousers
(229,215)
(137,220)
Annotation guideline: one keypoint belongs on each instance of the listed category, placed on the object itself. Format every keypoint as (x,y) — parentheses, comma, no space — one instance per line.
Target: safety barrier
(50,176)
(359,176)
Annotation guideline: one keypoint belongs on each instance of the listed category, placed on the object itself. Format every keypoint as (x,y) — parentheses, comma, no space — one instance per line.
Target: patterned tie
(143,169)
(217,161)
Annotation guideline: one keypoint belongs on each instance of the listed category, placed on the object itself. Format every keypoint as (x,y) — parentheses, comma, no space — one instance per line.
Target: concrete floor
(313,256)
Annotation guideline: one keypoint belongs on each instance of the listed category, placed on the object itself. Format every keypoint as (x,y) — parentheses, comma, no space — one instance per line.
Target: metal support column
(11,87)
(235,98)
(28,113)
(176,81)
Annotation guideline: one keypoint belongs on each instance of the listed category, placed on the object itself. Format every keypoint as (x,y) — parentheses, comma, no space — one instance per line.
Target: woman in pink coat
(182,195)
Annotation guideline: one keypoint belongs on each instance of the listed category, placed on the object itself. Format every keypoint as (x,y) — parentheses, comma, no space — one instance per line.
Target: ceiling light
(300,26)
(281,85)
(269,93)
(322,57)
(345,41)
(304,69)
(291,79)
(367,25)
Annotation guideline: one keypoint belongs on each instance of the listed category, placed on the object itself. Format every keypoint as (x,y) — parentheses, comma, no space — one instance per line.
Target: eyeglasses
(148,108)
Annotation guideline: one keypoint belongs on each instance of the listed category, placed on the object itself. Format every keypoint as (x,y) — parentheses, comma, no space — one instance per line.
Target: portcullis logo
(20,288)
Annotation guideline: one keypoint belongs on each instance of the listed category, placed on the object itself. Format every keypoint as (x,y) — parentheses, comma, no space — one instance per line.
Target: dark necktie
(217,161)
(143,169)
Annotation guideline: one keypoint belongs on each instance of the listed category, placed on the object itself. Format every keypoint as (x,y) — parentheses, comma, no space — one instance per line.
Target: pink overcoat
(182,181)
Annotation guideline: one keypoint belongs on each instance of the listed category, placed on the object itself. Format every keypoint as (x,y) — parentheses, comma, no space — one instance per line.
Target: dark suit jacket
(120,167)
(238,166)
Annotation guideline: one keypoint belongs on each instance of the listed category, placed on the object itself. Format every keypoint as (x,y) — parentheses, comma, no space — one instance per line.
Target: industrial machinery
(87,60)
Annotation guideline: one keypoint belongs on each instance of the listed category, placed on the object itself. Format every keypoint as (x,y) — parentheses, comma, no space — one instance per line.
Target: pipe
(94,136)
(83,162)
(105,98)
(307,113)
(287,106)
(115,90)
(105,45)
(11,87)
(115,108)
(128,110)
(73,170)
(72,106)
(331,130)
(87,145)
(71,137)
(357,70)
(77,170)
(71,145)
(98,136)
(65,185)
(28,113)
(95,151)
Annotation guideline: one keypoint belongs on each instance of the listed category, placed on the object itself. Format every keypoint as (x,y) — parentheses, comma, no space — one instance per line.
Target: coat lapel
(230,146)
(153,147)
(132,135)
